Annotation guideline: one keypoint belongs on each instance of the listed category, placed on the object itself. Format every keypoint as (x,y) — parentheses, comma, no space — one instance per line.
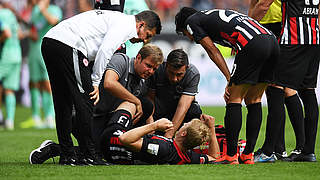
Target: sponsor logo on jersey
(153,149)
(85,62)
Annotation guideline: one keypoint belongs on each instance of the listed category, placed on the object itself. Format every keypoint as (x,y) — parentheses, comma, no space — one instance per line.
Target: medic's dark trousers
(70,80)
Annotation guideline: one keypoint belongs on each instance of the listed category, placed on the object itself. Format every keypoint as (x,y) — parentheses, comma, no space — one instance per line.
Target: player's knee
(289,92)
(252,98)
(128,106)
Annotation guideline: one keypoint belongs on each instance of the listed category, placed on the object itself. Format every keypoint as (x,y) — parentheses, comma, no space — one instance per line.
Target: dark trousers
(70,80)
(194,111)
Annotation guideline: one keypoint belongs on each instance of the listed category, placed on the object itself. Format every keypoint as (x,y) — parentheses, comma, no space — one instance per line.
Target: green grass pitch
(15,147)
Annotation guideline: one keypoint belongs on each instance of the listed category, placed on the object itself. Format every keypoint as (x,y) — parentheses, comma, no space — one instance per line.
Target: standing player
(67,50)
(272,21)
(1,88)
(258,51)
(43,17)
(173,88)
(10,62)
(297,68)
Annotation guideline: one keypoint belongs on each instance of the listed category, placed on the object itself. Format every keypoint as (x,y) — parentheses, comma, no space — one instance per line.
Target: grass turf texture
(15,147)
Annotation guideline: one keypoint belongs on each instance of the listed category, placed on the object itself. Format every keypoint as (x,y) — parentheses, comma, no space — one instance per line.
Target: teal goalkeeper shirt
(133,7)
(11,51)
(42,26)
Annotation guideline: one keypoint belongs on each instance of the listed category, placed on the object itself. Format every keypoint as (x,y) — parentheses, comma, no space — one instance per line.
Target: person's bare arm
(251,7)
(6,33)
(43,6)
(260,9)
(181,111)
(112,84)
(214,150)
(14,11)
(133,138)
(216,56)
(84,6)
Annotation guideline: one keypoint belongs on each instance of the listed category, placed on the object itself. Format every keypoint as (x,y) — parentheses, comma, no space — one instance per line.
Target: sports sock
(276,116)
(232,122)
(295,112)
(121,117)
(47,104)
(311,113)
(1,116)
(280,144)
(121,120)
(254,119)
(10,100)
(35,107)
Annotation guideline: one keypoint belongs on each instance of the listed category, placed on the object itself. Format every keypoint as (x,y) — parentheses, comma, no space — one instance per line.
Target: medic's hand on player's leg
(139,112)
(95,94)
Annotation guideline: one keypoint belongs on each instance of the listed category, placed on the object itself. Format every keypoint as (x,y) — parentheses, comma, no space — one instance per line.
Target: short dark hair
(153,51)
(177,58)
(181,18)
(151,18)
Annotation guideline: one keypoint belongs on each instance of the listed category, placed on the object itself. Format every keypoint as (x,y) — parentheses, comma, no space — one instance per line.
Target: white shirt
(97,34)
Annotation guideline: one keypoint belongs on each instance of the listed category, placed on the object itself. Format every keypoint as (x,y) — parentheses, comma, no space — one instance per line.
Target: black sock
(276,116)
(121,117)
(295,112)
(120,120)
(280,145)
(254,119)
(232,122)
(311,113)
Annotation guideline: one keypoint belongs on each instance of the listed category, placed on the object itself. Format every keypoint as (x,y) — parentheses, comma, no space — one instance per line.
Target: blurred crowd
(165,8)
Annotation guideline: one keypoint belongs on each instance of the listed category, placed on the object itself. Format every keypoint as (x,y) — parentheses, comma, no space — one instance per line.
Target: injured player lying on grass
(154,149)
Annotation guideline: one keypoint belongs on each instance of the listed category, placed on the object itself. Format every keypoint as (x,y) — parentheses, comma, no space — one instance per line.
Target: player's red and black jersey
(115,152)
(161,150)
(300,22)
(225,27)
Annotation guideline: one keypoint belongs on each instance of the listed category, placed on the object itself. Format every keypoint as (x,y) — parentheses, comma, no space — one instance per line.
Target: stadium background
(15,146)
(212,82)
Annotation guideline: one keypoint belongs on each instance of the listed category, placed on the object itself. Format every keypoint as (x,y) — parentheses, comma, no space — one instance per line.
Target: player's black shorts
(255,63)
(168,112)
(275,28)
(298,66)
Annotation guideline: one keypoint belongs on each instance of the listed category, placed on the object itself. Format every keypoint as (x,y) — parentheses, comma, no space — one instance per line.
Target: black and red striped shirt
(300,22)
(225,27)
(161,150)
